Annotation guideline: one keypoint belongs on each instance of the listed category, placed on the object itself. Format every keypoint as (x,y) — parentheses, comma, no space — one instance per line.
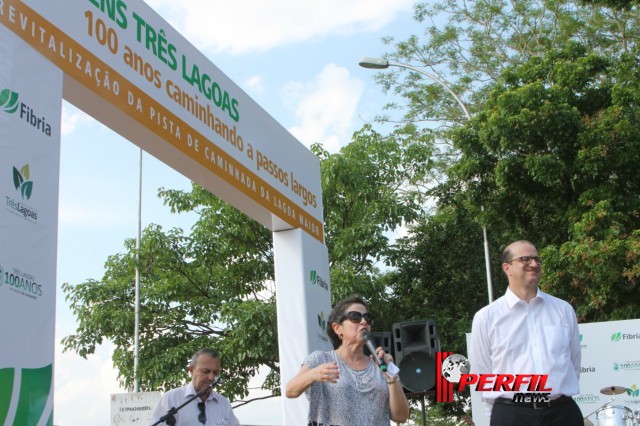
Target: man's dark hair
(337,312)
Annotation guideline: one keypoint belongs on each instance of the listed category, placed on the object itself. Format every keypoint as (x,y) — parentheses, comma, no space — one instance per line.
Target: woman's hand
(381,354)
(328,372)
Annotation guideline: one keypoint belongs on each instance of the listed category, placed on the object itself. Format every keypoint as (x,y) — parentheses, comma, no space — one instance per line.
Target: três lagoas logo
(22,182)
(24,185)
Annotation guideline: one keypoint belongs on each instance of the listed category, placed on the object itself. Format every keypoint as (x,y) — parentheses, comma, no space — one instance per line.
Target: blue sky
(297,59)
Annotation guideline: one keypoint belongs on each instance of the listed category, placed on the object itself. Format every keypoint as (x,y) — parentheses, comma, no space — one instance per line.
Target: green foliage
(370,188)
(210,288)
(473,43)
(554,154)
(598,270)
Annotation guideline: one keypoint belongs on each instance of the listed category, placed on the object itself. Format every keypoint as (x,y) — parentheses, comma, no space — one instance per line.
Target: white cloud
(71,118)
(83,387)
(326,107)
(255,85)
(257,25)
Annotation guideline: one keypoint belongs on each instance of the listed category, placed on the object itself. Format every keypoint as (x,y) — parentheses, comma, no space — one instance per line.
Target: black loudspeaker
(382,339)
(415,344)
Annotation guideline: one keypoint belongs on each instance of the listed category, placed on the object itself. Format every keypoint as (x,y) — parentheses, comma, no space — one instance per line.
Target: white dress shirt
(217,408)
(511,336)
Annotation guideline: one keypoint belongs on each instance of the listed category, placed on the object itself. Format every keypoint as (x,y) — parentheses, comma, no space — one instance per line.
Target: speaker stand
(424,411)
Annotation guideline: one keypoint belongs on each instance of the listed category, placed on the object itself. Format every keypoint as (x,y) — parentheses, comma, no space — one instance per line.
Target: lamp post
(378,63)
(136,343)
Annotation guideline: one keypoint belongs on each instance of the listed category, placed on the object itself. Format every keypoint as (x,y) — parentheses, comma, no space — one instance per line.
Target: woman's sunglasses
(356,317)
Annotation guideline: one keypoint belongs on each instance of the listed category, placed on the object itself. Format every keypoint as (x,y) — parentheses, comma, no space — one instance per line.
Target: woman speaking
(344,386)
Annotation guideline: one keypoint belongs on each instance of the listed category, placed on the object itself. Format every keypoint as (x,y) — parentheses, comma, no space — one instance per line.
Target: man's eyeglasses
(355,316)
(202,417)
(526,260)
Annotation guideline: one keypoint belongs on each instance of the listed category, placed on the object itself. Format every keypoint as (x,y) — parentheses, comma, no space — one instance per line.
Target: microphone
(371,345)
(209,386)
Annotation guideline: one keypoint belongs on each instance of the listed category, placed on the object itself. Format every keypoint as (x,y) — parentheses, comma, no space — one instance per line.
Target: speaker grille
(417,372)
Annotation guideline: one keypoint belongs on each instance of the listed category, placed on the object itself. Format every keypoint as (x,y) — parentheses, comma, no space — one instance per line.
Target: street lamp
(380,64)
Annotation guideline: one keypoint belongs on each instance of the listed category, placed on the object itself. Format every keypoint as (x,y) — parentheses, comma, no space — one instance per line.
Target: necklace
(364,380)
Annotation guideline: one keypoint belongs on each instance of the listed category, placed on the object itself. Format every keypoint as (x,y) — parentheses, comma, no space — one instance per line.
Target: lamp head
(373,63)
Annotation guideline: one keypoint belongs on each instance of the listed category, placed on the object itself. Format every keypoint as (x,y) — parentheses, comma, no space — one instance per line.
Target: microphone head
(367,338)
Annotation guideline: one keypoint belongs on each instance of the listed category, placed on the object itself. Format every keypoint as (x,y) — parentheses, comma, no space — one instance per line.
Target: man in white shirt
(210,408)
(527,331)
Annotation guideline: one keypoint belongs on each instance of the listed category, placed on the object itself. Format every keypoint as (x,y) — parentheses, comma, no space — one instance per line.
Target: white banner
(30,108)
(303,304)
(610,357)
(134,408)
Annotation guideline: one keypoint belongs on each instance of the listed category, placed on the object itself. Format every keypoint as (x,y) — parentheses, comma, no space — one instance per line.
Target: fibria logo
(21,181)
(616,337)
(8,101)
(9,104)
(317,280)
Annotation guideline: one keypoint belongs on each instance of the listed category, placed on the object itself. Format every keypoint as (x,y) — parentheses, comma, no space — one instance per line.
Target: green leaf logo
(8,101)
(21,181)
(615,337)
(313,276)
(633,391)
(322,323)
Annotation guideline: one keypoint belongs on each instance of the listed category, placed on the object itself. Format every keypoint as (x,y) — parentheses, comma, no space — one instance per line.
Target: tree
(555,153)
(470,44)
(552,88)
(370,188)
(212,287)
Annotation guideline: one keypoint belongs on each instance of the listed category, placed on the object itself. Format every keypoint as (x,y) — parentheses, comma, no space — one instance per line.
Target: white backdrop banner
(30,107)
(610,357)
(303,304)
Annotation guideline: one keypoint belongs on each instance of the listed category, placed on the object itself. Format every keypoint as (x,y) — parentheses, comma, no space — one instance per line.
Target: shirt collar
(512,299)
(190,391)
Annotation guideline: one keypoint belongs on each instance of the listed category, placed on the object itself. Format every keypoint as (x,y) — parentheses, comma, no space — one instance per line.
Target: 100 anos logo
(21,283)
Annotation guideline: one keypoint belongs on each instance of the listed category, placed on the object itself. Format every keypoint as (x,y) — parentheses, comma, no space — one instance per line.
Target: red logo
(444,387)
(454,369)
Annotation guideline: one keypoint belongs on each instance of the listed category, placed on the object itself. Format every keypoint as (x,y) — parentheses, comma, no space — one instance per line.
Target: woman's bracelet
(393,380)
